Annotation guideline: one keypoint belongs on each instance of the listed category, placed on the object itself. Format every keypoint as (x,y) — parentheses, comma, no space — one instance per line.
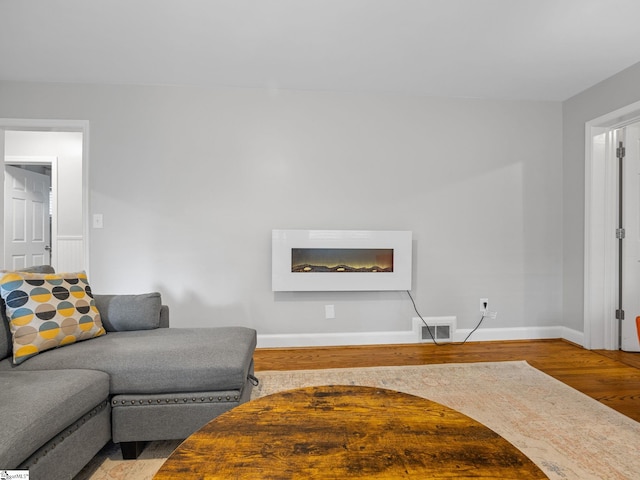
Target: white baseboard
(334,339)
(573,336)
(386,338)
(520,333)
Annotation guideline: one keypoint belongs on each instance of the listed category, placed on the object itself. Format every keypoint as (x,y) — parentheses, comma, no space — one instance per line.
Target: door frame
(600,223)
(50,125)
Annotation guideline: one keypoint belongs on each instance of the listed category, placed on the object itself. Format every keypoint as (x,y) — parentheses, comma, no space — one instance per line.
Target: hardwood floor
(612,378)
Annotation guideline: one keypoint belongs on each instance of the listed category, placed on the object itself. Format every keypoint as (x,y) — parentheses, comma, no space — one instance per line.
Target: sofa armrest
(164,316)
(132,312)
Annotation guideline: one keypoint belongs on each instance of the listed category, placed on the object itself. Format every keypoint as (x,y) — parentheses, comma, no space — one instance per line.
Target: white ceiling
(511,49)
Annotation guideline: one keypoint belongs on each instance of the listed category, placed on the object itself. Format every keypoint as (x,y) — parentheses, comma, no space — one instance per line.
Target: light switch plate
(98,220)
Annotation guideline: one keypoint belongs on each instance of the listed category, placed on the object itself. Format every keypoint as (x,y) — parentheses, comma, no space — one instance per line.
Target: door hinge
(619,314)
(620,151)
(620,233)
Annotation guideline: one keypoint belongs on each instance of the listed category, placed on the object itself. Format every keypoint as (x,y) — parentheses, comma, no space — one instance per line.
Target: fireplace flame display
(338,260)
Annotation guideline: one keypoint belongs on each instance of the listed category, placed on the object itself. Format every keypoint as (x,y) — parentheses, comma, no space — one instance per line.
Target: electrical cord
(431,334)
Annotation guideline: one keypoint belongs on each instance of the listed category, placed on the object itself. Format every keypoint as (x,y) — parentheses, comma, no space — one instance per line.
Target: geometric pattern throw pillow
(47,311)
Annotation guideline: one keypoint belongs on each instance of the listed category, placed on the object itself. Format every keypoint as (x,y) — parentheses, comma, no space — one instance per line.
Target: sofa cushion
(46,311)
(159,361)
(5,332)
(37,405)
(129,312)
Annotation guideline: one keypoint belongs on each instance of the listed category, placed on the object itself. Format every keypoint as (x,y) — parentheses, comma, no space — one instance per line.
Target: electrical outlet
(484,305)
(329,311)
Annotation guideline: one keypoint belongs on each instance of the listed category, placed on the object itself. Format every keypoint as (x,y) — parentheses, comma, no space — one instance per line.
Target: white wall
(191,181)
(610,95)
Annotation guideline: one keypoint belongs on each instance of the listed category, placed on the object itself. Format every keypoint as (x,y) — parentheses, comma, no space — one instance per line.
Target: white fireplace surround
(285,280)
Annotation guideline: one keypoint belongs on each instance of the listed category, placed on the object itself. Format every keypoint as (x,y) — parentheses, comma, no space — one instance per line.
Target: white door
(630,327)
(27,234)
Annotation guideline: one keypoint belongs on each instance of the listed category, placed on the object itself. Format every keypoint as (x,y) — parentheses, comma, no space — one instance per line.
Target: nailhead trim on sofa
(58,439)
(211,399)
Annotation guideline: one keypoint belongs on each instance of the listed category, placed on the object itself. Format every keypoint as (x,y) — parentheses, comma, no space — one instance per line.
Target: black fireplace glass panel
(342,260)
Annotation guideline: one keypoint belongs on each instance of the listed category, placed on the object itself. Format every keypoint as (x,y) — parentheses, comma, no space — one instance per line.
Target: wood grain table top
(338,432)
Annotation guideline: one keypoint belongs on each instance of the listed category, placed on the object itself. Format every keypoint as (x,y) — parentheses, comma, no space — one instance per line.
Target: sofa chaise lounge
(138,381)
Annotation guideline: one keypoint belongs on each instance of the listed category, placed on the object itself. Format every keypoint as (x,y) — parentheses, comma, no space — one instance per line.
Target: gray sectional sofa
(140,381)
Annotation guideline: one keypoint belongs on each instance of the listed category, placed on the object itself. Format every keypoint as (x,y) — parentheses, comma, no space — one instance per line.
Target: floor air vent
(439,328)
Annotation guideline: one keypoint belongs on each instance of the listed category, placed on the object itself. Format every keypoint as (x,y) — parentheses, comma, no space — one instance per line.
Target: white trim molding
(410,336)
(30,124)
(600,248)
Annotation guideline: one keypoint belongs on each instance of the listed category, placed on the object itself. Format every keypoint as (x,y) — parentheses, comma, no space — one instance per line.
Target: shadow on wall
(192,310)
(339,296)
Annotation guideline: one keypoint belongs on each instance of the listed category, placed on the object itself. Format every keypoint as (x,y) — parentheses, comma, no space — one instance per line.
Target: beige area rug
(566,433)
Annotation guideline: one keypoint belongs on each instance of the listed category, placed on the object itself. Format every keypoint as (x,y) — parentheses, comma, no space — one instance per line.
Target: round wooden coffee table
(342,432)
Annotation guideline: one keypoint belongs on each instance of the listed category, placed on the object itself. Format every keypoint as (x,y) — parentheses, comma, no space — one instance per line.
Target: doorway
(628,138)
(604,273)
(64,146)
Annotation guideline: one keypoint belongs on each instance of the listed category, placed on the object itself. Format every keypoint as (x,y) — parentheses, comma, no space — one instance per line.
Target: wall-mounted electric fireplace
(332,260)
(353,260)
